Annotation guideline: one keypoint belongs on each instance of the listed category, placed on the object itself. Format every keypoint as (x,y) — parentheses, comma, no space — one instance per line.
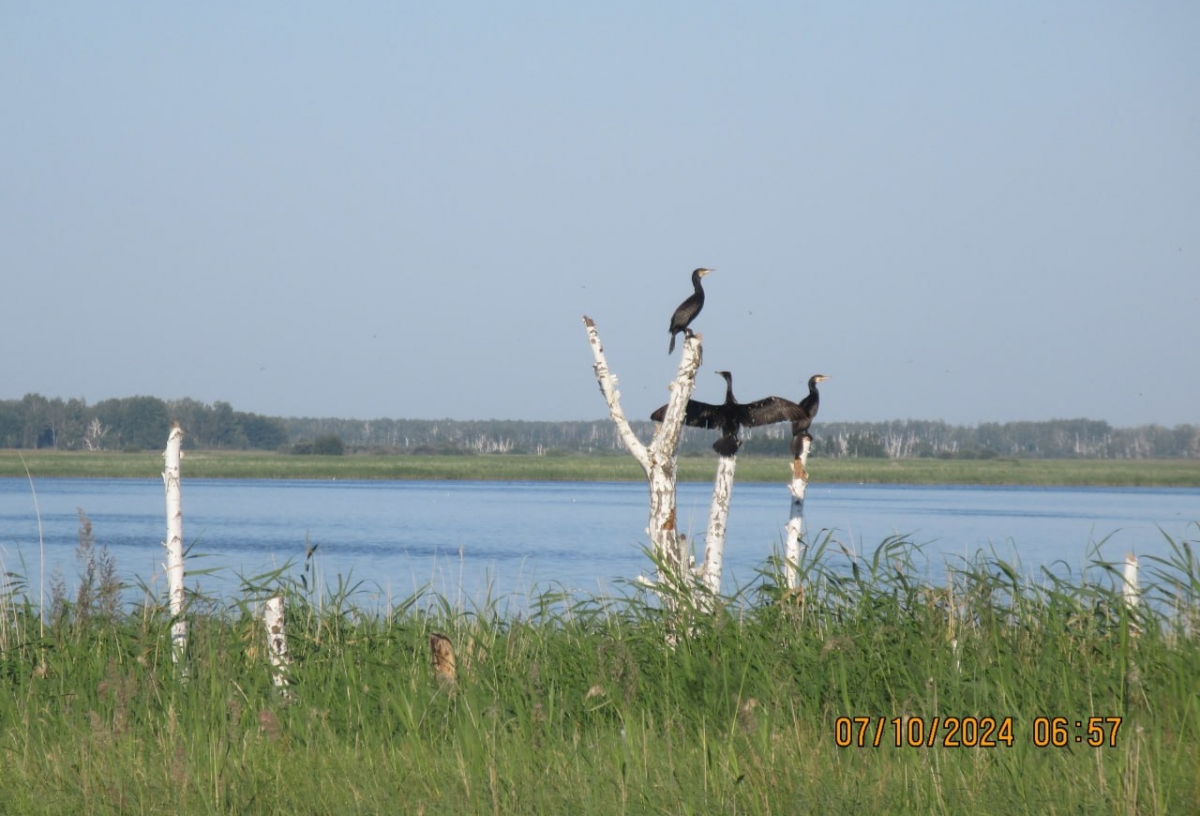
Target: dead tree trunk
(718,517)
(795,525)
(1129,584)
(658,459)
(174,544)
(277,648)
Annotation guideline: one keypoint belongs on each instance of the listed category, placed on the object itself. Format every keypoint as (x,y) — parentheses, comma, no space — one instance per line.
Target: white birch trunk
(277,648)
(658,459)
(718,517)
(1129,589)
(795,525)
(1132,595)
(174,543)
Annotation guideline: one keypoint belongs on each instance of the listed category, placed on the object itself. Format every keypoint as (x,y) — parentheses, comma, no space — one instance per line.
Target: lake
(470,540)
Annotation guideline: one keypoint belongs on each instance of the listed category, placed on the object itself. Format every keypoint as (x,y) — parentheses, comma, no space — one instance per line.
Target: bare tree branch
(659,458)
(612,397)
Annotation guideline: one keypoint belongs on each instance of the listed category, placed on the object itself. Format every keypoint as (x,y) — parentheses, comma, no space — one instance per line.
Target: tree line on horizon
(142,423)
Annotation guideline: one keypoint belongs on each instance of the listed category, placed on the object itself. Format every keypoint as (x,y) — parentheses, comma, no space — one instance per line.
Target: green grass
(515,467)
(581,707)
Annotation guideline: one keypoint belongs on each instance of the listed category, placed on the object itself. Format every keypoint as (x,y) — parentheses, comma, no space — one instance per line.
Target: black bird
(802,418)
(688,310)
(730,416)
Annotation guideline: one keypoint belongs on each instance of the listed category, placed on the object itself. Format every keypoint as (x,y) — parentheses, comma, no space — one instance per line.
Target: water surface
(467,540)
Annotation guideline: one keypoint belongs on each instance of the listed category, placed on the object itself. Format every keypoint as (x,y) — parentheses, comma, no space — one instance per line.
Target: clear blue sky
(969,212)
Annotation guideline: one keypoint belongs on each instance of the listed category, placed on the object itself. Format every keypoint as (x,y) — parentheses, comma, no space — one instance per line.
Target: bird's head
(727,375)
(701,272)
(816,378)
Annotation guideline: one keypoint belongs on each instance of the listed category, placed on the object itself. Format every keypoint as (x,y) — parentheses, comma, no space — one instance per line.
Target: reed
(579,706)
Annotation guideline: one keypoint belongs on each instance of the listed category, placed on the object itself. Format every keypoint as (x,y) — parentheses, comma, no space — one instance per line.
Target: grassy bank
(261,465)
(582,708)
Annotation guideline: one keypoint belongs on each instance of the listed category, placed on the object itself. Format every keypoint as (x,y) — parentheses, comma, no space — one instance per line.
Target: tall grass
(579,706)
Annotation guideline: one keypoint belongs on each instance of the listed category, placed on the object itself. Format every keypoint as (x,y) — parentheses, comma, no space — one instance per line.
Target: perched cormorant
(688,310)
(807,411)
(725,416)
(730,416)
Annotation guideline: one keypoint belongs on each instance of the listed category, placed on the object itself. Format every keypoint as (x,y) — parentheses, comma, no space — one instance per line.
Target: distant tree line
(134,423)
(1051,439)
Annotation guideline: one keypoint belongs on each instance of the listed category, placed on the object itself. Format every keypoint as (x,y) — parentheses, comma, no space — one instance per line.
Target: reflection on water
(468,540)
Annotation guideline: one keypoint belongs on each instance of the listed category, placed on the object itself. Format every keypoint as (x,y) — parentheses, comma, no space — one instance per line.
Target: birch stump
(1129,583)
(277,649)
(1131,594)
(658,459)
(174,543)
(795,525)
(1130,591)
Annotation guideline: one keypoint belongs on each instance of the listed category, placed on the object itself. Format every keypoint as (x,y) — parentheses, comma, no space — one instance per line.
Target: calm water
(462,538)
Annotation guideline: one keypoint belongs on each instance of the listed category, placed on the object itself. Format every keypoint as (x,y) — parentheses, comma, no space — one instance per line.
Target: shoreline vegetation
(210,464)
(868,690)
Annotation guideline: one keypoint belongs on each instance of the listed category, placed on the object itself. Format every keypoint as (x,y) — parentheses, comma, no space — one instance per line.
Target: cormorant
(688,310)
(731,415)
(802,419)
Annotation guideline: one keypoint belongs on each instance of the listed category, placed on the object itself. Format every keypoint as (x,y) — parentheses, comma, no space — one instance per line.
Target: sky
(969,212)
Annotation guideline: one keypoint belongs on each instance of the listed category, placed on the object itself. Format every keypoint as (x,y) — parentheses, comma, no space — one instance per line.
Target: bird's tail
(671,349)
(727,445)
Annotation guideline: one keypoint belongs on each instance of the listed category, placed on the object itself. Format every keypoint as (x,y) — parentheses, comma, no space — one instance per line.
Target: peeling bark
(657,459)
(277,648)
(718,517)
(795,525)
(174,543)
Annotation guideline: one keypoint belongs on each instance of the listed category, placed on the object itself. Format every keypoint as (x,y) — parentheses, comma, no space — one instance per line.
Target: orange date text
(923,732)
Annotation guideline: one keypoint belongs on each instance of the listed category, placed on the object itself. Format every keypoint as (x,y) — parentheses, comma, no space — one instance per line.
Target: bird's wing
(703,415)
(697,414)
(768,411)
